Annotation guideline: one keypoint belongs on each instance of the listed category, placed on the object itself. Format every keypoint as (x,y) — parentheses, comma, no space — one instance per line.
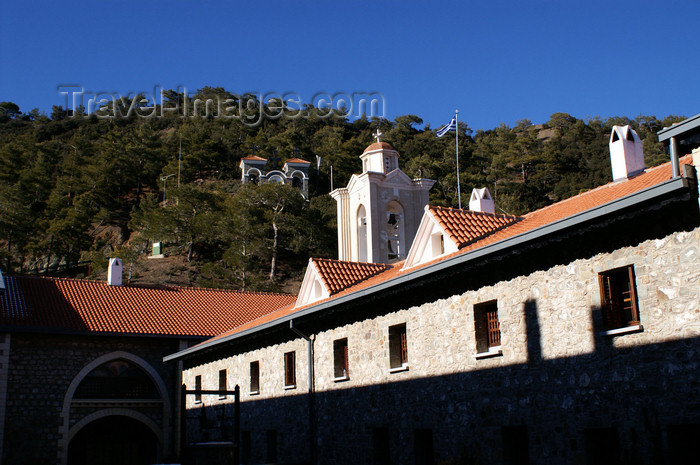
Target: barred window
(618,297)
(487,326)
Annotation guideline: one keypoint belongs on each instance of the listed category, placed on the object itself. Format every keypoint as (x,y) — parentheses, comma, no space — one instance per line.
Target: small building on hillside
(81,374)
(295,172)
(567,335)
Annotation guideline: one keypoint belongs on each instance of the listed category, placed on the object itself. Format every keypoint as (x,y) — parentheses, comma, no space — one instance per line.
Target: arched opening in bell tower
(361,234)
(396,244)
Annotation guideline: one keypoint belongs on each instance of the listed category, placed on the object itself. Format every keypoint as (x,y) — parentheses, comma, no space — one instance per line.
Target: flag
(445,129)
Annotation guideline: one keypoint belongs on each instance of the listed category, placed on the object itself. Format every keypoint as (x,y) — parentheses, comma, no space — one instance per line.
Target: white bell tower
(380,210)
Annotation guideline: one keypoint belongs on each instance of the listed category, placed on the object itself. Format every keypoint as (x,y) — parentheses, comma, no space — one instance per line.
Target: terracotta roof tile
(254,157)
(93,306)
(297,160)
(338,275)
(466,226)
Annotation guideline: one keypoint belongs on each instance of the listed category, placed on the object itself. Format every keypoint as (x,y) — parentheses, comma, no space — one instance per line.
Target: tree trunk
(275,240)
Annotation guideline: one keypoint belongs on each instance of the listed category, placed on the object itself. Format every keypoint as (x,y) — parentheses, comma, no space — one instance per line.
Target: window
(255,377)
(271,443)
(398,350)
(487,328)
(222,384)
(290,376)
(423,447)
(515,445)
(117,379)
(618,298)
(340,360)
(245,446)
(602,447)
(198,387)
(380,446)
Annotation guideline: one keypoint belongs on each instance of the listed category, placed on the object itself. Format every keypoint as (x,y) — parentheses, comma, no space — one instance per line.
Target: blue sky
(496,61)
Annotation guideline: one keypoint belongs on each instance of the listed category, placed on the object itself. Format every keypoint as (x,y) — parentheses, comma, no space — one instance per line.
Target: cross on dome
(378,135)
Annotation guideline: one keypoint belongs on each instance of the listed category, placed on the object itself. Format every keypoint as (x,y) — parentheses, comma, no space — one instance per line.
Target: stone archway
(115,407)
(114,438)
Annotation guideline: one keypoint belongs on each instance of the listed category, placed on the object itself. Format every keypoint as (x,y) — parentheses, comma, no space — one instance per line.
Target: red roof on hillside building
(379,146)
(338,275)
(93,306)
(465,226)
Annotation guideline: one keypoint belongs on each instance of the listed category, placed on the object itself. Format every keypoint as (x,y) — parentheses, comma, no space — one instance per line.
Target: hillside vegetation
(76,189)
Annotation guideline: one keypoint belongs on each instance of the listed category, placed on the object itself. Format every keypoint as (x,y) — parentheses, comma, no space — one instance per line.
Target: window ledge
(403,367)
(292,386)
(625,330)
(492,352)
(254,393)
(340,379)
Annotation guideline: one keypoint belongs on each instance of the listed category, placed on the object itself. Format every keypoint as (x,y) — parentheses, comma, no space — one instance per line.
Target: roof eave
(684,126)
(672,186)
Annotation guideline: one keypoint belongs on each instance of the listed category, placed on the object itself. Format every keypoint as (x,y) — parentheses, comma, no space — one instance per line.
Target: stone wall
(42,368)
(557,375)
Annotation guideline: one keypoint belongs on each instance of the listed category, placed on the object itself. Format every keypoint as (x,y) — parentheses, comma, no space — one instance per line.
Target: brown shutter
(404,347)
(494,327)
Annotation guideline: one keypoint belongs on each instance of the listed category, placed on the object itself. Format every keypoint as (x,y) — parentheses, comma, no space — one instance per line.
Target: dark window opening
(380,446)
(618,298)
(271,446)
(601,446)
(515,445)
(222,384)
(423,447)
(487,326)
(290,376)
(117,379)
(398,346)
(198,387)
(340,358)
(682,449)
(255,376)
(245,447)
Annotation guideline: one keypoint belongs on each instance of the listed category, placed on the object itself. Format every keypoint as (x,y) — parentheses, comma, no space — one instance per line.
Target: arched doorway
(113,440)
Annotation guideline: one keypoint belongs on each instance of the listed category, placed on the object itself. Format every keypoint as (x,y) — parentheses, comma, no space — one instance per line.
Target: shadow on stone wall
(638,403)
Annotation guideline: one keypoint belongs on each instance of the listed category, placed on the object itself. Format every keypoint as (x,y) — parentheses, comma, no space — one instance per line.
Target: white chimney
(2,283)
(114,272)
(481,201)
(626,153)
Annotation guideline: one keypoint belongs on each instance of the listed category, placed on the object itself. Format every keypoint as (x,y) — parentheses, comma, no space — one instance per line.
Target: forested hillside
(76,189)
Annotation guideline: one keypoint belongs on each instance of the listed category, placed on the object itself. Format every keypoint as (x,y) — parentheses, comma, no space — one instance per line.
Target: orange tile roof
(466,226)
(338,275)
(379,146)
(254,157)
(297,160)
(544,216)
(93,306)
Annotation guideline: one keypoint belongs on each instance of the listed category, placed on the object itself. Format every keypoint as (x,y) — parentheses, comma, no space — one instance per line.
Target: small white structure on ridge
(626,153)
(481,201)
(114,272)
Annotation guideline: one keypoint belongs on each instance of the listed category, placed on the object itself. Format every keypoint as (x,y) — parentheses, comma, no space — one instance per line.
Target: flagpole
(459,193)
